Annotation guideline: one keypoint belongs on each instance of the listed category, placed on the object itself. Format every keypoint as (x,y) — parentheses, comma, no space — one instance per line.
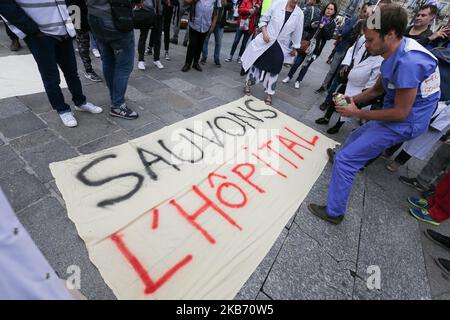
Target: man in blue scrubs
(410,79)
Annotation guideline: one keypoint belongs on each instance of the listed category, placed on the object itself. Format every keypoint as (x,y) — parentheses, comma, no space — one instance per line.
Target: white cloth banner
(20,76)
(189,211)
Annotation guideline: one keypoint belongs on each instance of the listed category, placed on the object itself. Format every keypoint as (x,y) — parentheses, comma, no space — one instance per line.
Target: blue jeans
(50,53)
(237,38)
(93,41)
(218,33)
(297,62)
(117,51)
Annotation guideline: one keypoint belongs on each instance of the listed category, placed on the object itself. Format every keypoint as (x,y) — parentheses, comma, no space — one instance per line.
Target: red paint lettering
(151,286)
(246,177)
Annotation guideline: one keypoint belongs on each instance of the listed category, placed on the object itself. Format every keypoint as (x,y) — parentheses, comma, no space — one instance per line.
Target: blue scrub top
(411,69)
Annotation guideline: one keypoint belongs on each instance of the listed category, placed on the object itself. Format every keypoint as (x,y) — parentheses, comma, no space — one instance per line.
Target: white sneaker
(297,85)
(141,65)
(239,60)
(68,119)
(166,56)
(96,53)
(158,64)
(286,80)
(89,107)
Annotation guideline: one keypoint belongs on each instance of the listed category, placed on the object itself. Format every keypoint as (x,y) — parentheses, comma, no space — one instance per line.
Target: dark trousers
(11,34)
(402,157)
(155,37)
(84,45)
(50,53)
(237,39)
(196,40)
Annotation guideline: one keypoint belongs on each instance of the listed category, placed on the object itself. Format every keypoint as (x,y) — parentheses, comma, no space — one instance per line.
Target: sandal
(247,90)
(268,100)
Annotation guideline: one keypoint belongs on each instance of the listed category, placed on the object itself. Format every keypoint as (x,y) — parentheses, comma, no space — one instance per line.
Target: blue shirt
(411,66)
(203,15)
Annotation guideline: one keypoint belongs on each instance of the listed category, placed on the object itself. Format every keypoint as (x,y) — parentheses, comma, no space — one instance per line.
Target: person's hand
(350,111)
(440,34)
(293,53)
(447,141)
(266,37)
(211,29)
(321,25)
(315,24)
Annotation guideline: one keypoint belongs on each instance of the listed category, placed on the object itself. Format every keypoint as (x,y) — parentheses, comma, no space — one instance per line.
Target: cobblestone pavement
(310,260)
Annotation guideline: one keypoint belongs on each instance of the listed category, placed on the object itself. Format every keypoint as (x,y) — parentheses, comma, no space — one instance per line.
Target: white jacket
(273,19)
(364,73)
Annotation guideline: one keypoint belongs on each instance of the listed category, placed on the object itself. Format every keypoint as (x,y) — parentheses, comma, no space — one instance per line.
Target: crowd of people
(395,77)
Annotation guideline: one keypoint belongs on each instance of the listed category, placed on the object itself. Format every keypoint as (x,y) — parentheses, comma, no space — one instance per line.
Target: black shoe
(15,45)
(438,238)
(203,61)
(323,106)
(322,120)
(124,112)
(333,130)
(321,212)
(443,264)
(331,153)
(93,76)
(174,41)
(186,68)
(185,43)
(412,182)
(321,89)
(197,67)
(217,63)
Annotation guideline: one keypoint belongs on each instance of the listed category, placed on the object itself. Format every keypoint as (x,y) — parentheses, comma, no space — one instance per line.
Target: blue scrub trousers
(363,145)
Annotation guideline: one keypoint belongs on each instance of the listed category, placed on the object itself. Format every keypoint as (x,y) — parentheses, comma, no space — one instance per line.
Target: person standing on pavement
(117,52)
(280,37)
(203,19)
(181,9)
(83,40)
(218,34)
(410,79)
(248,12)
(350,33)
(48,31)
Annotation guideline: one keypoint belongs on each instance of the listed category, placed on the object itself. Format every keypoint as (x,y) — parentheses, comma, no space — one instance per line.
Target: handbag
(144,18)
(122,14)
(244,24)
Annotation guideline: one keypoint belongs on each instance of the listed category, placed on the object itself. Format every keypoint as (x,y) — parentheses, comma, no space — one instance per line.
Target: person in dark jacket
(420,30)
(83,39)
(321,31)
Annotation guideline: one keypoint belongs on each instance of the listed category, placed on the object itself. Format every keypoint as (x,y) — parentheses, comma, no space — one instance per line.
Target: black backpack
(122,14)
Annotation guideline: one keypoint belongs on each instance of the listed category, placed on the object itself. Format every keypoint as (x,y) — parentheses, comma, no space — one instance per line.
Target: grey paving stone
(11,107)
(10,161)
(170,117)
(42,155)
(390,239)
(146,85)
(56,236)
(304,271)
(262,296)
(287,109)
(146,110)
(179,102)
(339,241)
(38,102)
(210,103)
(148,128)
(98,94)
(90,127)
(227,81)
(54,187)
(135,95)
(178,84)
(111,140)
(226,94)
(252,287)
(31,140)
(197,93)
(20,124)
(22,189)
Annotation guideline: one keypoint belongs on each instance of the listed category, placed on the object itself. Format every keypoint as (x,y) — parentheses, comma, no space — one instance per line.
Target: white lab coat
(274,19)
(365,73)
(25,274)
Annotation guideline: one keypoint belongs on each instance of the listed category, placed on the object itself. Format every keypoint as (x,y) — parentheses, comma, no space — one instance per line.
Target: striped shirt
(51,16)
